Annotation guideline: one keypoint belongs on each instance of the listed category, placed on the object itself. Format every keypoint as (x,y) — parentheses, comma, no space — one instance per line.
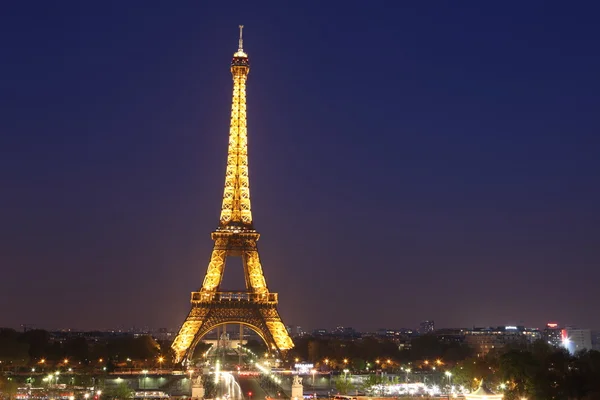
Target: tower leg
(241,344)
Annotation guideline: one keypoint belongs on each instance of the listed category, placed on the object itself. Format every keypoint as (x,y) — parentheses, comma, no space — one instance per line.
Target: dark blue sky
(408,161)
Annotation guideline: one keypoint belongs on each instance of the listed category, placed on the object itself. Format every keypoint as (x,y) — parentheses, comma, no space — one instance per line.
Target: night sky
(408,160)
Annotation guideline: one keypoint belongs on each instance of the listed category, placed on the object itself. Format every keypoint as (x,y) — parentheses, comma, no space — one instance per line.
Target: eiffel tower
(256,307)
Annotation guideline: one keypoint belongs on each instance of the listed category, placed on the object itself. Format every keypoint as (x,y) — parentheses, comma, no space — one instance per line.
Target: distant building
(426,327)
(552,334)
(451,335)
(345,332)
(596,340)
(575,340)
(404,344)
(394,333)
(163,334)
(483,340)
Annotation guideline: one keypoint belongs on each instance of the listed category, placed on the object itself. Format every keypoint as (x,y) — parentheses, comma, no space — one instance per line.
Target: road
(250,384)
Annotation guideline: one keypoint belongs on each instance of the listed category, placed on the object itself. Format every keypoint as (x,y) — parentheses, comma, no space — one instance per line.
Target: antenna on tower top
(241,45)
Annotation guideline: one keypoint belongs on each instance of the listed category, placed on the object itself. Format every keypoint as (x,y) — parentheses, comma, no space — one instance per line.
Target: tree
(119,392)
(139,348)
(256,347)
(76,348)
(519,368)
(343,385)
(11,350)
(9,387)
(370,381)
(39,343)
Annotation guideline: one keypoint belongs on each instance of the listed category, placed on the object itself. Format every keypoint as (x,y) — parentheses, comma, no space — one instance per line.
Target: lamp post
(313,371)
(346,374)
(449,375)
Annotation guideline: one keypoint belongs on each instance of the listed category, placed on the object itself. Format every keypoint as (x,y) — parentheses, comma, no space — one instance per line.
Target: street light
(346,374)
(449,375)
(313,371)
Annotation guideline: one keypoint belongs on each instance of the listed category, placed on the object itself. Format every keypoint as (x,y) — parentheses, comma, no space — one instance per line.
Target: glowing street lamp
(449,375)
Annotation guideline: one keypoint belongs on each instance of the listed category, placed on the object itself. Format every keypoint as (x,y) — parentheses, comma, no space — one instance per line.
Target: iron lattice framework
(235,236)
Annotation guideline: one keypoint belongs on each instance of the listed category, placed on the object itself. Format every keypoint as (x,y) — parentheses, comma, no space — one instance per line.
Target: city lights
(461,143)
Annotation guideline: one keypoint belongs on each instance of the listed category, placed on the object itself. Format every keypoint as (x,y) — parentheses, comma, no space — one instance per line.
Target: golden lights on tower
(234,236)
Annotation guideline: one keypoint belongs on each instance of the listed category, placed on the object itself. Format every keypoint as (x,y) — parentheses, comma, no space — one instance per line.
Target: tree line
(36,346)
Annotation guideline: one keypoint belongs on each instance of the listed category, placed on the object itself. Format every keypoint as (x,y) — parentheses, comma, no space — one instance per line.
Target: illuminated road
(228,388)
(250,384)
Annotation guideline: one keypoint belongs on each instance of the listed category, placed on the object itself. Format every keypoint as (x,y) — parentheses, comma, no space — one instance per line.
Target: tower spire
(235,211)
(241,43)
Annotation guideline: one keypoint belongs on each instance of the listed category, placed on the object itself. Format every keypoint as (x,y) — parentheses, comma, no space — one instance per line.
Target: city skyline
(438,163)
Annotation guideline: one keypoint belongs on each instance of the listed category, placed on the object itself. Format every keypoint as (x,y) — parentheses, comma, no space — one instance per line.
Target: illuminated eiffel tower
(255,308)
